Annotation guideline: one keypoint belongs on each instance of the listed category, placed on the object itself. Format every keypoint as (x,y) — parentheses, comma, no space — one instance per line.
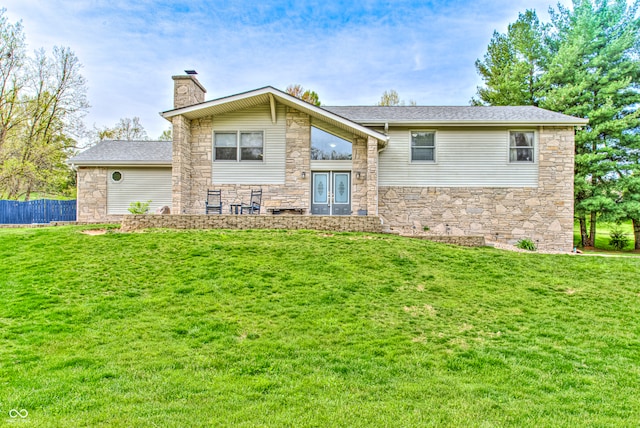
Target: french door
(331,193)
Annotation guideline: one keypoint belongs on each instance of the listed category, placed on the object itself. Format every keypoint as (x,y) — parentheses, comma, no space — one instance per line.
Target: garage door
(126,185)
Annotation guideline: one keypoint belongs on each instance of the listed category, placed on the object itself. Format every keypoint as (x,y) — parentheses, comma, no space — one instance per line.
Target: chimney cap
(191,72)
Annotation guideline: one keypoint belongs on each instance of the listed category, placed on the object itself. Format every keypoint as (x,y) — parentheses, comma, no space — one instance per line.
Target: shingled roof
(453,115)
(119,153)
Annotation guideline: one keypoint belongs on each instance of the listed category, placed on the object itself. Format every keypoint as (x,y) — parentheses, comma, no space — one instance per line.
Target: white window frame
(114,180)
(238,147)
(435,146)
(534,146)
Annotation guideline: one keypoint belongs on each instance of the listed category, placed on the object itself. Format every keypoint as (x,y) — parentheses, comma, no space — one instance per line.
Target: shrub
(139,207)
(617,239)
(526,244)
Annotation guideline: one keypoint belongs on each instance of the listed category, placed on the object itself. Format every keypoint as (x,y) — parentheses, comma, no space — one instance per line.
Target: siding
(464,158)
(272,169)
(138,184)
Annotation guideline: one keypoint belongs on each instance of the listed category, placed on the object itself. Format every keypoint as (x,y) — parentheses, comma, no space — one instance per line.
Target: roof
(110,152)
(453,115)
(271,95)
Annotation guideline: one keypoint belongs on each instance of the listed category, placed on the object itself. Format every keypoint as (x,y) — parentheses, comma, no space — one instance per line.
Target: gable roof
(121,153)
(454,115)
(269,94)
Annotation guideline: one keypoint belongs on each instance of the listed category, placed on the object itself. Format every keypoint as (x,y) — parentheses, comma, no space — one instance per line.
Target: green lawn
(276,328)
(603,238)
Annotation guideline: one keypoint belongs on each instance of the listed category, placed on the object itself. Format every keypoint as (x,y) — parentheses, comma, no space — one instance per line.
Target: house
(505,173)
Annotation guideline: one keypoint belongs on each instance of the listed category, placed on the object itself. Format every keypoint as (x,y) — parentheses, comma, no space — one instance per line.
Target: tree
(166,135)
(127,129)
(305,95)
(585,63)
(43,100)
(391,98)
(595,73)
(514,64)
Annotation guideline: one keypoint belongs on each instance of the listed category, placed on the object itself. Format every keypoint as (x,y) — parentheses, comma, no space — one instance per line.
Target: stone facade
(543,214)
(193,163)
(187,91)
(290,222)
(92,196)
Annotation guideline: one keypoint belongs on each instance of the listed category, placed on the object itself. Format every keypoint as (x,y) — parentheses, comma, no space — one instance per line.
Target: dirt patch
(94,232)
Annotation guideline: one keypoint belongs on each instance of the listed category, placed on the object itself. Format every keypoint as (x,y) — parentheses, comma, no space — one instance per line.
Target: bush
(617,239)
(139,207)
(526,244)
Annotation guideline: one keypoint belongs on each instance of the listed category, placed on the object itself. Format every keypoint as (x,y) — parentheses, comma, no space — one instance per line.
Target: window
(326,146)
(423,146)
(251,146)
(521,146)
(226,148)
(116,176)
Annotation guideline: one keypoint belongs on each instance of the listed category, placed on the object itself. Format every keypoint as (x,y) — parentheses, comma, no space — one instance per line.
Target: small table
(234,208)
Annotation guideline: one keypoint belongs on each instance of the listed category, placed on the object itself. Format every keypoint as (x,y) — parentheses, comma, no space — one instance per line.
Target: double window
(521,146)
(226,147)
(423,146)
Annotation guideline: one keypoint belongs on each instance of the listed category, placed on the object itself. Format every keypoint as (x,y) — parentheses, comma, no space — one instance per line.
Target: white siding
(138,184)
(272,169)
(464,158)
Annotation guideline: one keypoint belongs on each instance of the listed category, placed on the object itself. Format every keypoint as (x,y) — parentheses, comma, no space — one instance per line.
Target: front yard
(277,328)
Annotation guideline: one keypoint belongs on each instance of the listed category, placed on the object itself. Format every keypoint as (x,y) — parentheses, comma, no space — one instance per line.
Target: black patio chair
(213,204)
(254,203)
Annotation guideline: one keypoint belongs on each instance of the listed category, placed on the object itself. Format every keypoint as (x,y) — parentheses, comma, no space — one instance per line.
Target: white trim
(283,98)
(534,148)
(114,181)
(435,147)
(238,148)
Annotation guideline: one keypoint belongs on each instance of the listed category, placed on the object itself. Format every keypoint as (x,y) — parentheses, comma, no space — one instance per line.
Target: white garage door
(126,185)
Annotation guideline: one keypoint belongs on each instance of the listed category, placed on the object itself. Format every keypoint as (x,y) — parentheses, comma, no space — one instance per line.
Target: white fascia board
(284,98)
(578,122)
(121,163)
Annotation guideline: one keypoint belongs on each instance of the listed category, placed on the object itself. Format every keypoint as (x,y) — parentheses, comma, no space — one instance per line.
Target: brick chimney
(187,90)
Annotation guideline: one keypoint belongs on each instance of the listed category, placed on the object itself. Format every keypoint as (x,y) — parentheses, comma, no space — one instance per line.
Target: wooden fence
(38,211)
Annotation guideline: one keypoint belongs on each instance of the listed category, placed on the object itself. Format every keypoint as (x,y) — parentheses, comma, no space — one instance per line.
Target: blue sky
(349,52)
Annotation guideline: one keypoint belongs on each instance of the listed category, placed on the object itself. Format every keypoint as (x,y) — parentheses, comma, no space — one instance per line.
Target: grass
(277,328)
(602,238)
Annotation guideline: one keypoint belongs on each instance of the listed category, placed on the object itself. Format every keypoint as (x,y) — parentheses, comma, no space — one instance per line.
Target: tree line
(585,62)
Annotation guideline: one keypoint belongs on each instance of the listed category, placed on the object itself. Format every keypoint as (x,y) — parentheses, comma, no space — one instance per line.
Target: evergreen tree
(585,63)
(513,64)
(594,73)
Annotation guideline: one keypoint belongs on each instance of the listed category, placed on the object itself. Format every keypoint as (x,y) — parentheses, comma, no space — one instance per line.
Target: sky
(349,52)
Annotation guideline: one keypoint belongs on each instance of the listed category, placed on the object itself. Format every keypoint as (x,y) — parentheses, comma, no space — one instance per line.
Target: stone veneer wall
(543,214)
(295,192)
(92,196)
(181,165)
(359,188)
(291,222)
(187,91)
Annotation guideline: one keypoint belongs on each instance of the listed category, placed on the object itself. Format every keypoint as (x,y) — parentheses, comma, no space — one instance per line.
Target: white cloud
(348,52)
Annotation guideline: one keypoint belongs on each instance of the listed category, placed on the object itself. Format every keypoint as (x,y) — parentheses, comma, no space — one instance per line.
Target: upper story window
(226,147)
(423,146)
(521,146)
(326,146)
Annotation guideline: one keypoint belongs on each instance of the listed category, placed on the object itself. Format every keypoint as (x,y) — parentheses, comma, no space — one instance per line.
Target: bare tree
(391,98)
(127,129)
(42,102)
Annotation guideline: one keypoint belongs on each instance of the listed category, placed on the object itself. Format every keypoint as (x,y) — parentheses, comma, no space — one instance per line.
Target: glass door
(331,193)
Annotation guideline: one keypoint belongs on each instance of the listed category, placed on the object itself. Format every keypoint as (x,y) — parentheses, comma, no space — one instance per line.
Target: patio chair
(213,204)
(254,203)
